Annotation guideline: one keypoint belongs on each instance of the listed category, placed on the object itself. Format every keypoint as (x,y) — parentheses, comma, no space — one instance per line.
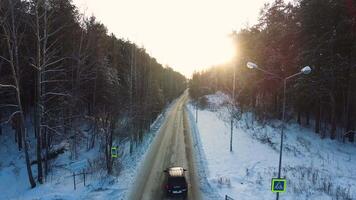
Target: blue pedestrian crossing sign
(279,185)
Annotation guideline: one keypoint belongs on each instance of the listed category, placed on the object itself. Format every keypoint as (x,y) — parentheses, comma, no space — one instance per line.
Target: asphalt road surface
(171,147)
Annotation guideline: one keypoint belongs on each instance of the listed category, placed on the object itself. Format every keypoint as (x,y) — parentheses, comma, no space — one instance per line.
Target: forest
(60,70)
(288,36)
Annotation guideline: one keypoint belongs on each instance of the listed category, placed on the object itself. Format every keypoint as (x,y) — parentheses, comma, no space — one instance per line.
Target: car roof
(175,171)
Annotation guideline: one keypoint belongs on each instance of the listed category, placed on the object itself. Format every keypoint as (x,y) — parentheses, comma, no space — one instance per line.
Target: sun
(223,51)
(219,50)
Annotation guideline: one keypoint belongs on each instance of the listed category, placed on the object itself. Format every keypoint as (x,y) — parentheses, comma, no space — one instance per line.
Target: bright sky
(187,35)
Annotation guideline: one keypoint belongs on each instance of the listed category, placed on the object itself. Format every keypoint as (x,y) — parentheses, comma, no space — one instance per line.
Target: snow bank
(314,168)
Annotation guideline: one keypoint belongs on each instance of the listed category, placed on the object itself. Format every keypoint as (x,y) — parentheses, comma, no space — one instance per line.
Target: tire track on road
(171,147)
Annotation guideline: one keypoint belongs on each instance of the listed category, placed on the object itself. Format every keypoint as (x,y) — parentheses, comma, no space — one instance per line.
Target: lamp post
(196,112)
(196,107)
(304,70)
(234,37)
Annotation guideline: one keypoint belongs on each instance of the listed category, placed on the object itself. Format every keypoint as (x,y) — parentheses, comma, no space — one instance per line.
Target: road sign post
(279,185)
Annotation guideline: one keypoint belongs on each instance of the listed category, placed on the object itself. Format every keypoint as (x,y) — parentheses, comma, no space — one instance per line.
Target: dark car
(176,184)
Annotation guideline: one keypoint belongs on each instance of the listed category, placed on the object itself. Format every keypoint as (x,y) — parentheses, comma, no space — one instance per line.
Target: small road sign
(279,185)
(114,152)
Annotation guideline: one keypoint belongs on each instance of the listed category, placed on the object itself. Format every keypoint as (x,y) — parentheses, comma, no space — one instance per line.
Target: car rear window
(177,180)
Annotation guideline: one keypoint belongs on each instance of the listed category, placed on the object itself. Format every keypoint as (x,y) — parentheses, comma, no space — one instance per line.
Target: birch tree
(11,34)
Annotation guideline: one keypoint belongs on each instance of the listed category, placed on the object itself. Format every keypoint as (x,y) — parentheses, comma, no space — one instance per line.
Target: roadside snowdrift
(314,168)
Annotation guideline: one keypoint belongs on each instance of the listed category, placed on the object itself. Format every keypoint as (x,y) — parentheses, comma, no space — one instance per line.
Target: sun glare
(205,54)
(221,51)
(186,35)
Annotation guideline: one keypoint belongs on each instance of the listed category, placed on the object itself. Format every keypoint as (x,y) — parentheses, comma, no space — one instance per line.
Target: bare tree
(11,35)
(50,79)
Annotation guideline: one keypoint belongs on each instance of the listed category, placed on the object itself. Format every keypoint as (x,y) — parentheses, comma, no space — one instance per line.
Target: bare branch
(51,54)
(53,70)
(55,93)
(8,105)
(56,31)
(52,45)
(33,65)
(52,129)
(53,81)
(7,60)
(10,86)
(54,62)
(11,116)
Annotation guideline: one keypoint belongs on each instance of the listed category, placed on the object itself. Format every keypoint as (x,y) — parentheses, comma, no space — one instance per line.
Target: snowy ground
(314,168)
(14,183)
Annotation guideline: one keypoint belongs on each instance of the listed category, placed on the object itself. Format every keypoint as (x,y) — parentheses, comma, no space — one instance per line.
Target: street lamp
(251,65)
(304,70)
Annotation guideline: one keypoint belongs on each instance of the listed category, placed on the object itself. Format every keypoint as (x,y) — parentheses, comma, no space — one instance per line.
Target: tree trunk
(39,109)
(18,132)
(108,146)
(299,117)
(333,119)
(47,139)
(276,106)
(19,139)
(317,117)
(349,105)
(28,165)
(12,45)
(253,99)
(24,138)
(15,128)
(351,123)
(39,159)
(0,120)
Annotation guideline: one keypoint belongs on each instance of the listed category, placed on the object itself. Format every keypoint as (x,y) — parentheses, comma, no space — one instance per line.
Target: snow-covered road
(171,147)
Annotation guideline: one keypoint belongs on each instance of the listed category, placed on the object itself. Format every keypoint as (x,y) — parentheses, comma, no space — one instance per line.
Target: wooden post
(74,180)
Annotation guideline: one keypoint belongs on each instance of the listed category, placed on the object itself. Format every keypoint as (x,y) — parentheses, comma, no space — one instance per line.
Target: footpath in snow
(314,168)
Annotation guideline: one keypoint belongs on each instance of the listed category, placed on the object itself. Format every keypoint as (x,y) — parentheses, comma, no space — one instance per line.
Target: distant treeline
(318,33)
(60,69)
